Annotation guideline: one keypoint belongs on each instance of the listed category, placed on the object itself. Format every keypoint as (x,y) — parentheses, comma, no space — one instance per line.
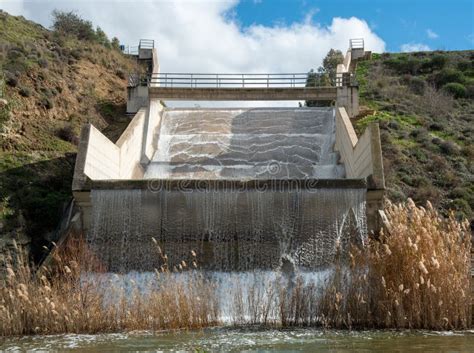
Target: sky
(266,36)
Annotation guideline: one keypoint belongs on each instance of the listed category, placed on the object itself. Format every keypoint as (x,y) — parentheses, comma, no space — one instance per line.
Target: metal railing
(289,80)
(185,80)
(129,50)
(146,44)
(201,80)
(356,43)
(345,79)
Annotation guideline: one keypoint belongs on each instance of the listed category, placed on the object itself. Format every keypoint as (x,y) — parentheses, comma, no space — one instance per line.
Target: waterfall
(228,230)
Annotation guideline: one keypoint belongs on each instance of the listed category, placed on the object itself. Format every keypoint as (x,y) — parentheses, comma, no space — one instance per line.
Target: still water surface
(250,340)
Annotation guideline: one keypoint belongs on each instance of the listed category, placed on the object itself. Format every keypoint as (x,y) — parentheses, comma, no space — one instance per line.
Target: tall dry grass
(417,276)
(65,298)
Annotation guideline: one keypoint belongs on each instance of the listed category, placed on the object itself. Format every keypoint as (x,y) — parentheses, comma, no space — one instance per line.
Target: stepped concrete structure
(270,149)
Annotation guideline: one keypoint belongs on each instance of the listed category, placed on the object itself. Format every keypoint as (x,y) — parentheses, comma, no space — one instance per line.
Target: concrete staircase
(276,143)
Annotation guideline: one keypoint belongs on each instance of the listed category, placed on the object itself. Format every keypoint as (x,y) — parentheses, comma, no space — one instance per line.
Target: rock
(3,102)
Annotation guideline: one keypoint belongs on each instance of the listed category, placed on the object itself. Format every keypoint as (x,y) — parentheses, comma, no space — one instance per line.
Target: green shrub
(464,65)
(68,134)
(417,85)
(47,103)
(69,23)
(404,64)
(438,62)
(457,90)
(11,79)
(43,63)
(449,147)
(102,38)
(115,43)
(447,76)
(25,92)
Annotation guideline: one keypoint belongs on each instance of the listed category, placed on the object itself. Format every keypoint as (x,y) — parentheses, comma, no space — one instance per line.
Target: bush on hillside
(437,62)
(457,90)
(404,64)
(447,76)
(67,133)
(102,38)
(417,85)
(69,23)
(115,43)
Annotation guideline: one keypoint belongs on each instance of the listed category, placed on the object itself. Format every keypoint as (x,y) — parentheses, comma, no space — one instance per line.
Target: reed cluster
(414,276)
(75,295)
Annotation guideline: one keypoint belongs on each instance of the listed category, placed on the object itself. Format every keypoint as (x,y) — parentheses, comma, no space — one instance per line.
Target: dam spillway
(241,188)
(215,211)
(246,144)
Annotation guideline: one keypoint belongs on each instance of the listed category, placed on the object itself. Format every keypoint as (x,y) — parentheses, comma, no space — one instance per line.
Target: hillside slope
(50,85)
(424,103)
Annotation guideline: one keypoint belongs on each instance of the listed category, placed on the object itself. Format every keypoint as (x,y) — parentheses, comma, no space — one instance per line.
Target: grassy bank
(415,277)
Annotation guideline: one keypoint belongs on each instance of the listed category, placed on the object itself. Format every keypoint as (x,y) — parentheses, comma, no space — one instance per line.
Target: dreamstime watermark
(270,179)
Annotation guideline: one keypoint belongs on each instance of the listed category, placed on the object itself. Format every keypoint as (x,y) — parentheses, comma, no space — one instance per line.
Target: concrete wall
(100,159)
(130,144)
(150,129)
(362,158)
(137,97)
(236,93)
(347,94)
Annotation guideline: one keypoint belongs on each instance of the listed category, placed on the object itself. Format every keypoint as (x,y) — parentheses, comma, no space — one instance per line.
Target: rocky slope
(50,85)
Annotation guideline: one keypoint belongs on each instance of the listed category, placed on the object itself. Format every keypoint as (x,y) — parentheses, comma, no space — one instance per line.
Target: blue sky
(447,25)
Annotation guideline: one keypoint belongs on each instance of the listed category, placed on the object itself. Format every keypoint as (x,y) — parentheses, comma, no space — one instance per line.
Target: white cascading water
(246,242)
(229,228)
(240,230)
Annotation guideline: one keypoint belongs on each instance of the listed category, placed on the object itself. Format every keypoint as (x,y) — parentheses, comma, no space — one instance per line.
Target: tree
(69,23)
(325,76)
(102,38)
(115,43)
(330,62)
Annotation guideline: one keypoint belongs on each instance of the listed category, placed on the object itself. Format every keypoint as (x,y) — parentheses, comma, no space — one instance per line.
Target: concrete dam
(230,189)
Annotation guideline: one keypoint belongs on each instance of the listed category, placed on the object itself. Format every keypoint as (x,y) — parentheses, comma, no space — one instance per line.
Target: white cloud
(408,47)
(203,36)
(431,34)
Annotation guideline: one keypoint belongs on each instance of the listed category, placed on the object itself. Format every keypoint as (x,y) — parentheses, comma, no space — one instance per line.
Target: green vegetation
(424,105)
(71,24)
(51,83)
(325,75)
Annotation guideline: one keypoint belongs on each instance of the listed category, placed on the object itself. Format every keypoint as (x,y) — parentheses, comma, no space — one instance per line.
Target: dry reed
(415,277)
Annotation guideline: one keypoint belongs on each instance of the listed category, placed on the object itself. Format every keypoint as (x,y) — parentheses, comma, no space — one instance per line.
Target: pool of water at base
(249,339)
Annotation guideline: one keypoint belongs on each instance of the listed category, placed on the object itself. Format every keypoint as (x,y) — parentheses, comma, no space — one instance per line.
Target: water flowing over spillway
(269,207)
(246,144)
(227,230)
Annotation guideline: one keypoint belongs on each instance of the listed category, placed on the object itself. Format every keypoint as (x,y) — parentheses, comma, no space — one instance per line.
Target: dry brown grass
(415,277)
(62,298)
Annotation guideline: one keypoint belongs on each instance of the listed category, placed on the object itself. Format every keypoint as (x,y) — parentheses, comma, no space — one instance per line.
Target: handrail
(129,50)
(356,43)
(146,44)
(254,80)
